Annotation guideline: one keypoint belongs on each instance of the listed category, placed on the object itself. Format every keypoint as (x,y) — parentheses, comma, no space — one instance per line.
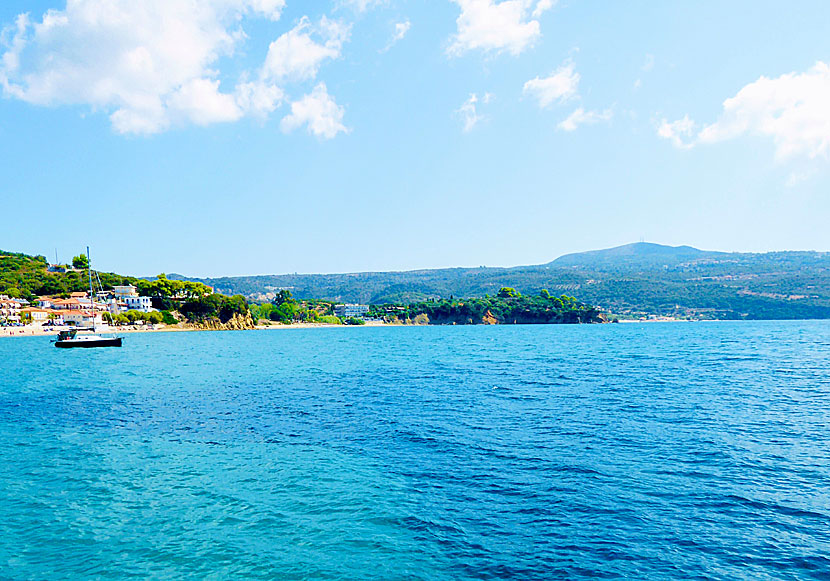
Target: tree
(283,296)
(80,262)
(507,292)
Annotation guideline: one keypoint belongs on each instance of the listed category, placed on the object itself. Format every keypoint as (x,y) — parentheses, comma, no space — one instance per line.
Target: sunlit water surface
(534,452)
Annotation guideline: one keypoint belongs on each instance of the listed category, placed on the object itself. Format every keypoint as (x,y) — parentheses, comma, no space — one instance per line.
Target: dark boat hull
(103,342)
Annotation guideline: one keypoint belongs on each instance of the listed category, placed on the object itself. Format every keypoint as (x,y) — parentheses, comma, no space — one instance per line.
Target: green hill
(635,279)
(632,280)
(24,276)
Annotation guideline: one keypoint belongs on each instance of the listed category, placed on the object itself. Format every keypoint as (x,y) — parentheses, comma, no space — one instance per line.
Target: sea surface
(650,451)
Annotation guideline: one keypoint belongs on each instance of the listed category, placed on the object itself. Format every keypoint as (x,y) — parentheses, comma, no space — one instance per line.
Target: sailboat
(71,338)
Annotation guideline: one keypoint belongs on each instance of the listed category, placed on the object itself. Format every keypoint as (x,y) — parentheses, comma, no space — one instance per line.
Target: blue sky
(230,137)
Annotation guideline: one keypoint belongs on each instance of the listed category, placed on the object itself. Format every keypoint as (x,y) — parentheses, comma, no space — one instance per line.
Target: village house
(137,303)
(10,309)
(82,318)
(35,314)
(121,292)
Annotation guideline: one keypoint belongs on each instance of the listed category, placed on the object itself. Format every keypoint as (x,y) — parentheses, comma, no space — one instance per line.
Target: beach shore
(38,330)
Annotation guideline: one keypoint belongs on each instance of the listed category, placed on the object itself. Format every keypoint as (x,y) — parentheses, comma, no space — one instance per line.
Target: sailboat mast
(91,299)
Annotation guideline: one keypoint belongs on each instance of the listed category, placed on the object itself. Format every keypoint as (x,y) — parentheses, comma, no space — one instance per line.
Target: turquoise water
(534,452)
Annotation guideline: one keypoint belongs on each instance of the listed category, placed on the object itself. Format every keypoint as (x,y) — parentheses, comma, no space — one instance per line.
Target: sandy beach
(38,330)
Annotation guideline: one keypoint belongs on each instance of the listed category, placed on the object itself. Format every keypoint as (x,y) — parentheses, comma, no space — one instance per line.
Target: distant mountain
(635,279)
(636,255)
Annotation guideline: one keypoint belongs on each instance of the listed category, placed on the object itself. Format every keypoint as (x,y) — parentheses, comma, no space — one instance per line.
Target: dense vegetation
(215,306)
(633,280)
(507,307)
(24,276)
(283,308)
(27,277)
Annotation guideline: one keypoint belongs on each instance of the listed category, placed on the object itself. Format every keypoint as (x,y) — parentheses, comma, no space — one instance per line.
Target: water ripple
(695,451)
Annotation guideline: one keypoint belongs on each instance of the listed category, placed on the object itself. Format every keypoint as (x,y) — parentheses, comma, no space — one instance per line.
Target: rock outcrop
(236,323)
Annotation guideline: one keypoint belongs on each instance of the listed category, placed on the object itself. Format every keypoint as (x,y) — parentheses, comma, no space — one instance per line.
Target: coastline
(38,331)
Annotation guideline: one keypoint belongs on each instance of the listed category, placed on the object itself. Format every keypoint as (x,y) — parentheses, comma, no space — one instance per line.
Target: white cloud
(295,55)
(269,8)
(560,86)
(491,25)
(317,110)
(542,6)
(401,28)
(469,111)
(791,109)
(582,117)
(149,64)
(200,101)
(258,98)
(677,131)
(153,64)
(361,5)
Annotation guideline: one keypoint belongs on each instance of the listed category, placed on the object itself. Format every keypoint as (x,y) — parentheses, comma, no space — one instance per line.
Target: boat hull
(102,342)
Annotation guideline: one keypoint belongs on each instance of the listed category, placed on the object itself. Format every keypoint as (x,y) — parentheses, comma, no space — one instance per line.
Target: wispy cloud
(582,117)
(558,87)
(469,111)
(401,28)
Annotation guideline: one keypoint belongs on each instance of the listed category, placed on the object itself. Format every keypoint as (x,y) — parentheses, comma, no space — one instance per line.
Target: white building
(137,303)
(36,315)
(81,318)
(350,310)
(122,292)
(10,309)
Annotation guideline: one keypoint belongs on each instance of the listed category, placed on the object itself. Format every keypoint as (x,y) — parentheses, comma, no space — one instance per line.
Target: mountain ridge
(633,279)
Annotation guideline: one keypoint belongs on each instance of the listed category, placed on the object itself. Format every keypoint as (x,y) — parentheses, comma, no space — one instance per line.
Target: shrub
(330,320)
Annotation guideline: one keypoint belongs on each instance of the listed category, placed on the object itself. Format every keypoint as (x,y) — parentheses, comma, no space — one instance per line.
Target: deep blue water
(694,450)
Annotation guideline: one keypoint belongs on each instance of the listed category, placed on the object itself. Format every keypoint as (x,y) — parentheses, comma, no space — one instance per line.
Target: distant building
(36,315)
(122,292)
(10,309)
(82,318)
(136,303)
(45,302)
(67,304)
(351,310)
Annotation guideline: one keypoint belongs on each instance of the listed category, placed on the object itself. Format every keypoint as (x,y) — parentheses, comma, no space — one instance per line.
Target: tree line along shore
(190,304)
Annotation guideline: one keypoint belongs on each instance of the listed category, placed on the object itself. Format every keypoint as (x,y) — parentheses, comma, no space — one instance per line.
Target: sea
(641,451)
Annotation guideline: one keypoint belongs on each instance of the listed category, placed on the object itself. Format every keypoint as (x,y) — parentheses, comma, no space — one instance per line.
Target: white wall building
(81,318)
(350,310)
(122,292)
(10,309)
(137,303)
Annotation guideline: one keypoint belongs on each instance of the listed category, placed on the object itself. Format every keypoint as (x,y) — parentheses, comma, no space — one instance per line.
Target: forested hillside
(27,277)
(635,279)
